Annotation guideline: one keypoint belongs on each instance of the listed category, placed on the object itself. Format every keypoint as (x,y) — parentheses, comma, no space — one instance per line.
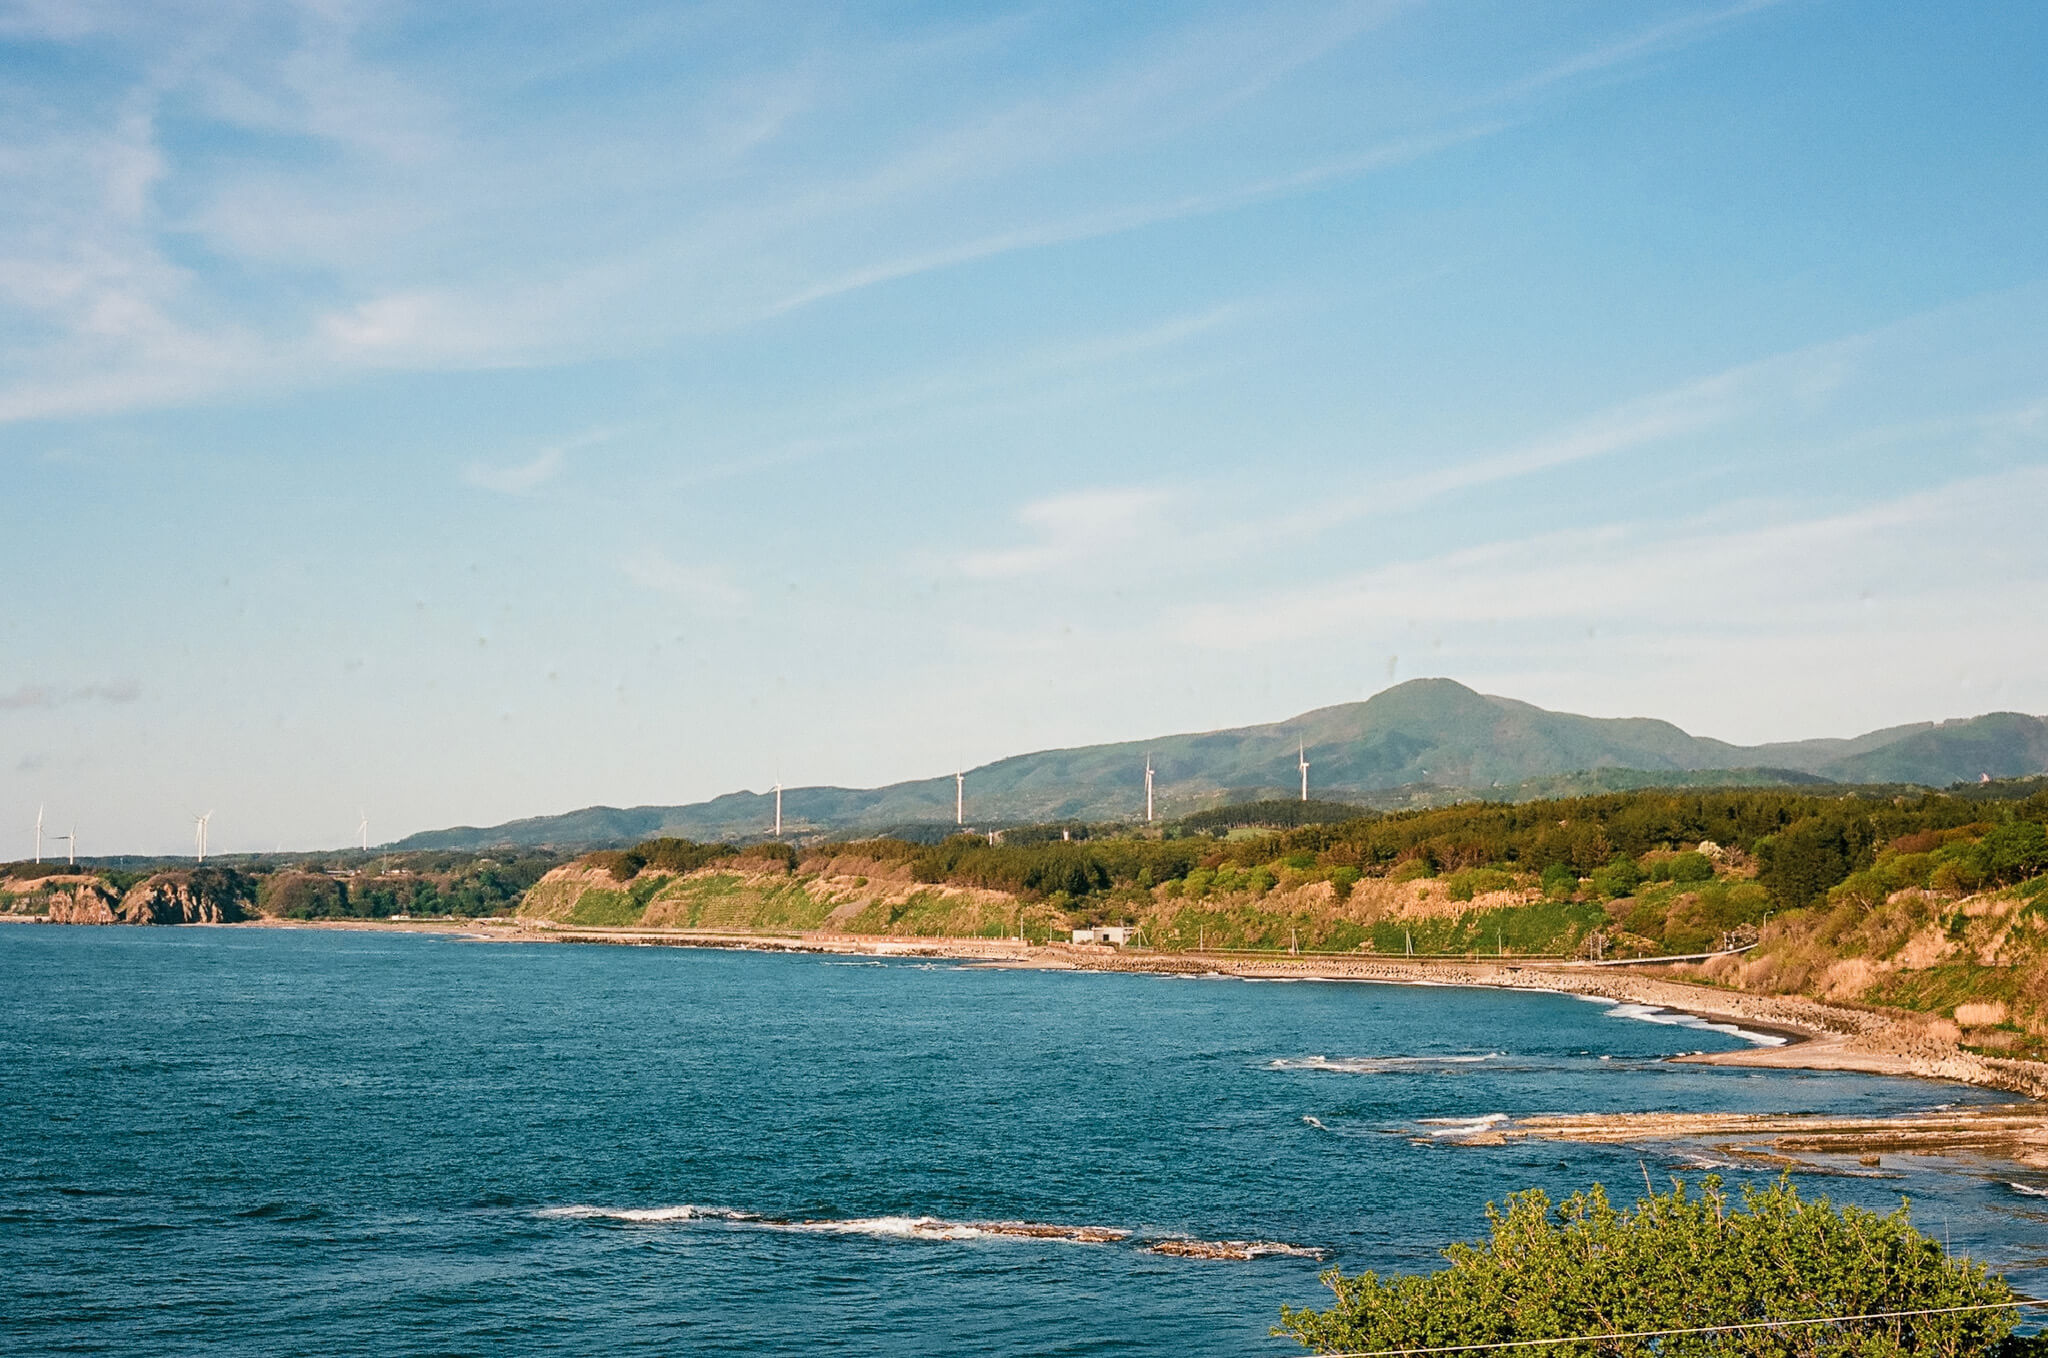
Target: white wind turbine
(199,832)
(39,834)
(70,845)
(1302,755)
(960,798)
(778,808)
(363,828)
(1148,789)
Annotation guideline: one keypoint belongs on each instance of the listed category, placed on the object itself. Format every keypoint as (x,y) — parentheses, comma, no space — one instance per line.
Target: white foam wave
(937,1228)
(1674,1018)
(1455,1127)
(2029,1190)
(1183,1248)
(1373,1065)
(883,1227)
(1314,1122)
(644,1215)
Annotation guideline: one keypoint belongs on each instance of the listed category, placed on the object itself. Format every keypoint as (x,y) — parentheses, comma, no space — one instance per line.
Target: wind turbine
(778,808)
(39,834)
(960,798)
(70,846)
(1148,789)
(363,829)
(1302,754)
(199,832)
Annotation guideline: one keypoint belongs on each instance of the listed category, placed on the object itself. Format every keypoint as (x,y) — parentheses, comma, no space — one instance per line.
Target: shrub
(623,866)
(1619,878)
(2015,851)
(1560,882)
(1692,866)
(1677,1261)
(301,895)
(1470,882)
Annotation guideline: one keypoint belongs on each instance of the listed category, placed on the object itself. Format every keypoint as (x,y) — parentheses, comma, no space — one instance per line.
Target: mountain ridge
(1420,742)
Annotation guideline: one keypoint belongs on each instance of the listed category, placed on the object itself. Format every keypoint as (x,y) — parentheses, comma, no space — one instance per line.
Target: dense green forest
(1800,845)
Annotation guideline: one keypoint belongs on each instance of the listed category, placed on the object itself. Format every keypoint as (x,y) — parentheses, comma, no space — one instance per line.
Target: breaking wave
(885,1227)
(937,1229)
(2029,1190)
(1374,1065)
(1181,1248)
(1455,1127)
(644,1215)
(1673,1018)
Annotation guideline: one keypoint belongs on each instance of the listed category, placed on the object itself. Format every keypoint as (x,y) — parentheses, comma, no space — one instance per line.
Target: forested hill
(1425,741)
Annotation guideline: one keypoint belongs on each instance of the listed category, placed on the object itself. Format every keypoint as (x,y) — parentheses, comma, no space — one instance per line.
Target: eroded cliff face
(200,896)
(70,899)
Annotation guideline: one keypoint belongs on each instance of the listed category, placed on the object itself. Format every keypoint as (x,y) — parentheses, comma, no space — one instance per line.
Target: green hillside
(1423,743)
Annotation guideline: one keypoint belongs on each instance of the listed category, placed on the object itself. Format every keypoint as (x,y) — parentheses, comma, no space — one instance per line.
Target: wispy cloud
(1072,530)
(408,201)
(1672,576)
(705,589)
(523,478)
(35,697)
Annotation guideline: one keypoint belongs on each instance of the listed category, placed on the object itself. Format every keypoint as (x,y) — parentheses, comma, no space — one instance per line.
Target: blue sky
(462,413)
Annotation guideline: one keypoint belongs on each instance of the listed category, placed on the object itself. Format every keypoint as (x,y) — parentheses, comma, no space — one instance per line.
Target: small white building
(1116,934)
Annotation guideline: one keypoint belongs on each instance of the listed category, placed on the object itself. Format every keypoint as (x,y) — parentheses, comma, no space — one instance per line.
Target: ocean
(264,1141)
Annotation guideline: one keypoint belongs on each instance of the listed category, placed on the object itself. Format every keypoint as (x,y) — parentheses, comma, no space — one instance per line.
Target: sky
(445,413)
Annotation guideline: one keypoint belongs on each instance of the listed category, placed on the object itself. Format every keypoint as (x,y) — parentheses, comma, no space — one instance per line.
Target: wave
(1455,1127)
(887,1227)
(1675,1018)
(2029,1190)
(1182,1248)
(936,1229)
(1373,1065)
(645,1215)
(1316,1123)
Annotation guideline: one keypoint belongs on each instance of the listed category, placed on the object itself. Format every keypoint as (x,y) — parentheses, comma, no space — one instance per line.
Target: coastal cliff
(71,898)
(198,896)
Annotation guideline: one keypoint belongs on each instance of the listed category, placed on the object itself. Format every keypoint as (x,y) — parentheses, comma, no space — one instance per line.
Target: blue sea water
(262,1141)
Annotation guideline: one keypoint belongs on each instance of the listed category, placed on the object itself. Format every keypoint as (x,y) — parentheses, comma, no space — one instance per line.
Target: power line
(1697,1329)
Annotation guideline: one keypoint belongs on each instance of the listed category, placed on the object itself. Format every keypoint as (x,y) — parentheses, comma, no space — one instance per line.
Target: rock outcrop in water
(197,896)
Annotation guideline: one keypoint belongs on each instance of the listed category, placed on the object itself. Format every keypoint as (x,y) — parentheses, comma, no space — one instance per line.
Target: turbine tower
(199,832)
(960,798)
(778,808)
(39,834)
(70,846)
(363,829)
(1302,754)
(1148,789)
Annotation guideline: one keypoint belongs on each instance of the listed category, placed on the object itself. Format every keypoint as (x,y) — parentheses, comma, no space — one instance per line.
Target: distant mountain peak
(1429,736)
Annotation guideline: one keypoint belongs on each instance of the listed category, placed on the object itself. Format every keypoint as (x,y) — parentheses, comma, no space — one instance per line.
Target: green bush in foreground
(1676,1262)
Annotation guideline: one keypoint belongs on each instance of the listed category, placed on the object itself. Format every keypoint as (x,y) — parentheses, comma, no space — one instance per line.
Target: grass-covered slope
(1423,742)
